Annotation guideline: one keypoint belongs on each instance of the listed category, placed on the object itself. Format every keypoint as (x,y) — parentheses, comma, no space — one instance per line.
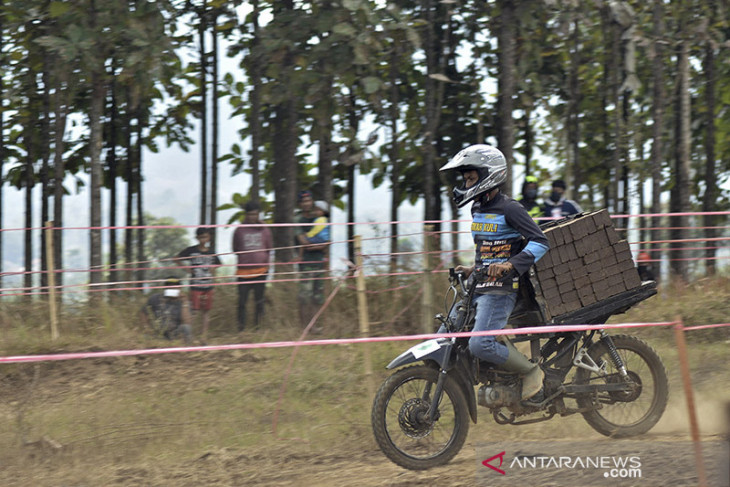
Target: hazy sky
(172,188)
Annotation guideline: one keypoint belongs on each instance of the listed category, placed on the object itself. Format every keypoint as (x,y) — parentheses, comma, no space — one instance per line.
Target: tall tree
(507,41)
(214,129)
(657,111)
(2,132)
(710,197)
(98,88)
(284,124)
(203,81)
(682,184)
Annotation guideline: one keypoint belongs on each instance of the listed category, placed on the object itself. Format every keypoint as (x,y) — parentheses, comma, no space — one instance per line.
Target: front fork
(436,399)
(433,410)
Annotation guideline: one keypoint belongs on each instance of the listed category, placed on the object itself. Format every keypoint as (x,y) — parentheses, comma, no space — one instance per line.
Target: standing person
(320,231)
(528,198)
(644,266)
(202,260)
(557,205)
(312,260)
(167,313)
(508,242)
(252,245)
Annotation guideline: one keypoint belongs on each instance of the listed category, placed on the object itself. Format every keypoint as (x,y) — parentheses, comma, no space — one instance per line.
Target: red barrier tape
(333,341)
(231,225)
(705,327)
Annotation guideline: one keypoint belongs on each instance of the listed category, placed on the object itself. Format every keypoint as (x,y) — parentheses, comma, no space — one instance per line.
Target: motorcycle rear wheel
(400,419)
(630,413)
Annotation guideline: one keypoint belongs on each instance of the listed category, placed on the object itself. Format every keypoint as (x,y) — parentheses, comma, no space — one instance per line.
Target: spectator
(557,205)
(252,245)
(312,260)
(167,313)
(202,260)
(644,266)
(320,232)
(528,198)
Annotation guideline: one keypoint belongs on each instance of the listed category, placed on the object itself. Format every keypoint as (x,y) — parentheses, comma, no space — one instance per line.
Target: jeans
(492,313)
(244,286)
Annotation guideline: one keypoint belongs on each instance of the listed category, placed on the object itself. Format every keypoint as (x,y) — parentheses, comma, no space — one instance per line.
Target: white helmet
(490,164)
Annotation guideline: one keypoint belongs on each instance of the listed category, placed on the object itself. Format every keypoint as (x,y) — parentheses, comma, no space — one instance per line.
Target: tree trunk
(394,155)
(285,150)
(354,127)
(131,186)
(682,155)
(709,201)
(429,151)
(351,212)
(436,63)
(284,171)
(573,107)
(614,69)
(657,109)
(45,159)
(507,41)
(214,148)
(254,121)
(112,163)
(59,172)
(29,183)
(31,144)
(203,116)
(141,258)
(2,145)
(98,95)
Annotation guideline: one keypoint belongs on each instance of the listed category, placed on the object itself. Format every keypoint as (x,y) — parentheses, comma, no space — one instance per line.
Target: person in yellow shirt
(528,198)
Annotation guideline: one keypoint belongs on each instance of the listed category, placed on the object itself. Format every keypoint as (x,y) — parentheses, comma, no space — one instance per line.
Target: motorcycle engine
(498,395)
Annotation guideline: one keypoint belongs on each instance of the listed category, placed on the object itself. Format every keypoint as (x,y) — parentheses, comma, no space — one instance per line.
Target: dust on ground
(46,461)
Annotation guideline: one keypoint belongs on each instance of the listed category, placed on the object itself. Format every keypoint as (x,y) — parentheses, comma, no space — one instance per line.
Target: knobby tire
(626,414)
(414,444)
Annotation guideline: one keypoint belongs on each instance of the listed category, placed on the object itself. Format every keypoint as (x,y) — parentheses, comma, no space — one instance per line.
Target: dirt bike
(421,413)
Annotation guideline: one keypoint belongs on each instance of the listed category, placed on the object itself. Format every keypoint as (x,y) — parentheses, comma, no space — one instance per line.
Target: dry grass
(119,420)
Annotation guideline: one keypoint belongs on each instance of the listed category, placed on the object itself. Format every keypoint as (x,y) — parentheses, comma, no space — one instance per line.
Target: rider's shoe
(532,374)
(535,400)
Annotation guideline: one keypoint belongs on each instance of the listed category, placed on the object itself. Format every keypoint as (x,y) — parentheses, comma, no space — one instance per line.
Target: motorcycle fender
(428,350)
(461,376)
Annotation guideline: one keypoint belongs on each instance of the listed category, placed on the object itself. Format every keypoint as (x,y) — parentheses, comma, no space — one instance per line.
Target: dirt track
(44,461)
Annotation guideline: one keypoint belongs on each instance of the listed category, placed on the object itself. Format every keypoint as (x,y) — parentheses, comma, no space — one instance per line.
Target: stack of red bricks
(587,262)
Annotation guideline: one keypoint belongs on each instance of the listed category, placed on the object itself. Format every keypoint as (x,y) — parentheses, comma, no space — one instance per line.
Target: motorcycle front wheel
(401,423)
(622,414)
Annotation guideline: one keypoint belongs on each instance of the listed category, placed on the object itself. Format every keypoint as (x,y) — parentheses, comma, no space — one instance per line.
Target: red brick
(570,299)
(563,277)
(591,258)
(631,279)
(588,299)
(611,236)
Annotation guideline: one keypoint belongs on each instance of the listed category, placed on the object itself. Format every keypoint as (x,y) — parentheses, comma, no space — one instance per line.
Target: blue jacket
(562,208)
(503,231)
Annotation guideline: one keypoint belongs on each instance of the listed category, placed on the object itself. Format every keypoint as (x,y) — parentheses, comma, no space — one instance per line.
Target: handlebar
(458,279)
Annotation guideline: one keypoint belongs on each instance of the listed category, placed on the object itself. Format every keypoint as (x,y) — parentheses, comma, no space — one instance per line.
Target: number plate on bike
(425,348)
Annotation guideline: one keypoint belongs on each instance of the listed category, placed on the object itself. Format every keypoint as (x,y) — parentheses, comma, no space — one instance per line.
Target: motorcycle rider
(508,242)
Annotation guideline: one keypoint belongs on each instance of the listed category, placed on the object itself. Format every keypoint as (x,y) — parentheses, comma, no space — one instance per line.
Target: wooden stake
(688,393)
(362,307)
(51,268)
(427,297)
